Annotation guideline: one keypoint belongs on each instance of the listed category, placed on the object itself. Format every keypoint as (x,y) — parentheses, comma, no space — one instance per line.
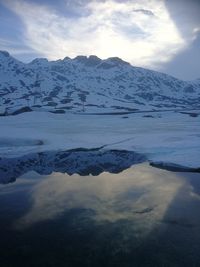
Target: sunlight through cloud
(140,32)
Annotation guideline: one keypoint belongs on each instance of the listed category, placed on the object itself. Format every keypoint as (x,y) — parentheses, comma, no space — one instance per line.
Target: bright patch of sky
(142,32)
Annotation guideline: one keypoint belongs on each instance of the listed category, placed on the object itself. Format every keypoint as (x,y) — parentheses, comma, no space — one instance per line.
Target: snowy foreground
(168,137)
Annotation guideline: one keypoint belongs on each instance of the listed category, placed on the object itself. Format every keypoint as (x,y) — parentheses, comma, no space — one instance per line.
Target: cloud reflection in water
(140,195)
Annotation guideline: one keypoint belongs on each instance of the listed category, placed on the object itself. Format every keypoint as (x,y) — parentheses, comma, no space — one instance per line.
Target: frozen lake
(170,137)
(121,211)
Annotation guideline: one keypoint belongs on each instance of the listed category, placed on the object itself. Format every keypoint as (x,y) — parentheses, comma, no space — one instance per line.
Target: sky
(162,35)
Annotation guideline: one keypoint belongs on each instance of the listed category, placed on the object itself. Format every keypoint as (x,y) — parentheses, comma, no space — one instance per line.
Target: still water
(142,216)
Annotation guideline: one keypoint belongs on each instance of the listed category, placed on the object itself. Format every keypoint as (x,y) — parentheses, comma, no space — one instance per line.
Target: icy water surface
(142,216)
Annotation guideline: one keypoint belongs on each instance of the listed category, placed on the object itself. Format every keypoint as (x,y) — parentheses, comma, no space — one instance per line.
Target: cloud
(141,32)
(14,47)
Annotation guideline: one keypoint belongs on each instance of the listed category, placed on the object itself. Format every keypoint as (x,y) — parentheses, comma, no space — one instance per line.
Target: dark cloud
(144,11)
(186,65)
(186,16)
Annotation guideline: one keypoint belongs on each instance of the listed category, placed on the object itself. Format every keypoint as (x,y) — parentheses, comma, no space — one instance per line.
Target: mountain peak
(117,61)
(112,62)
(4,53)
(39,61)
(80,59)
(90,61)
(66,58)
(93,57)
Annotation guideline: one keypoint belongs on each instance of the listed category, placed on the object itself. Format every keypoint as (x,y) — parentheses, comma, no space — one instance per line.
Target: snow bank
(166,137)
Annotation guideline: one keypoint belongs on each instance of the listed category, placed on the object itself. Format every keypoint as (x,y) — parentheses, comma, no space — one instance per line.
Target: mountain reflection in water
(142,216)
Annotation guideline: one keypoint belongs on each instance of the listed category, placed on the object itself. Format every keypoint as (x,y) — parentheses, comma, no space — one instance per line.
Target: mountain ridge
(88,82)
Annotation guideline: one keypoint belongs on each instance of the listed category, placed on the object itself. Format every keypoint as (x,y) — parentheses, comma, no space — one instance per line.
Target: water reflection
(141,217)
(141,194)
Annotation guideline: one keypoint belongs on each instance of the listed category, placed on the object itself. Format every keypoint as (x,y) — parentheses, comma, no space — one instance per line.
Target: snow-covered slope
(91,84)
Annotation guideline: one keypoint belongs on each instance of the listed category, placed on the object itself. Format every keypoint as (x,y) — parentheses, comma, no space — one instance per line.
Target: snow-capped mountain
(90,84)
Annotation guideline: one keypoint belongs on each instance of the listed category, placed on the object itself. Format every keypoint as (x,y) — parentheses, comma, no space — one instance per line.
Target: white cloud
(110,28)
